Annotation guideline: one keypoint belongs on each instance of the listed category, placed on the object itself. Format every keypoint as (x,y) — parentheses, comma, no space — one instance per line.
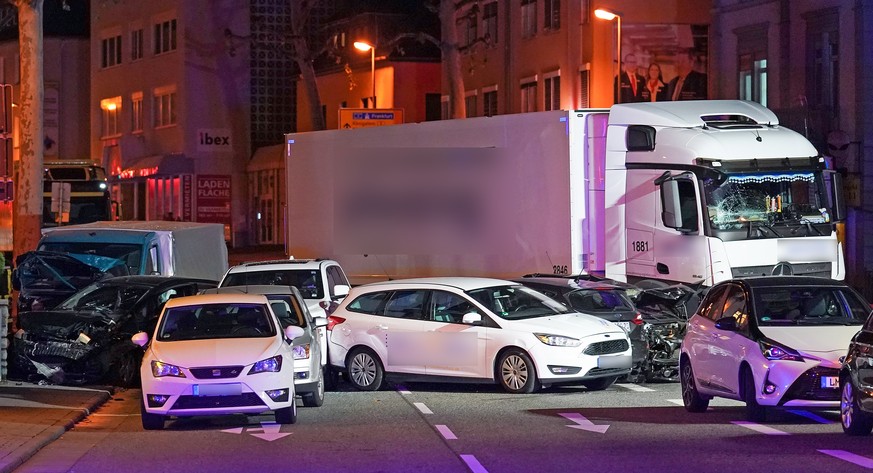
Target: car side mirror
(727,323)
(340,291)
(472,318)
(293,331)
(320,321)
(140,339)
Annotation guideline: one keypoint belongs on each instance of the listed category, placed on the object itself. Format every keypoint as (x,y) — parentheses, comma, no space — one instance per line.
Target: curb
(51,433)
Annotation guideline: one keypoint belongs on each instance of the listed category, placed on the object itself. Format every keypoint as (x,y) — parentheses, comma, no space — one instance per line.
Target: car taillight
(333,321)
(638,319)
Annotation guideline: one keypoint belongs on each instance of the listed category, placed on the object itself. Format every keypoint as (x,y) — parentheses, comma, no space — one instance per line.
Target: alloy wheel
(363,369)
(514,372)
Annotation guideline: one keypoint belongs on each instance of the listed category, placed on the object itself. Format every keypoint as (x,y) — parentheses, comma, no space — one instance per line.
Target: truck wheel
(315,399)
(691,398)
(151,421)
(365,370)
(854,420)
(600,384)
(754,411)
(516,373)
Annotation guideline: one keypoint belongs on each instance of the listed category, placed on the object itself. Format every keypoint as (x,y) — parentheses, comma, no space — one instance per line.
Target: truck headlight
(557,340)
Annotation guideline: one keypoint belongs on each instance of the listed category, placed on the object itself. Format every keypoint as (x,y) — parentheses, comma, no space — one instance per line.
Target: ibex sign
(214,139)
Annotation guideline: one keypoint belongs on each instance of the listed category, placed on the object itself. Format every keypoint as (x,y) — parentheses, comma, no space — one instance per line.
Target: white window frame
(486,93)
(165,41)
(164,107)
(528,86)
(470,96)
(137,116)
(110,109)
(552,89)
(489,23)
(528,18)
(110,51)
(137,43)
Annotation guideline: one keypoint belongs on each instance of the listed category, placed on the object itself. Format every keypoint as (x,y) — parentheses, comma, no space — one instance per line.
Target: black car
(600,299)
(86,338)
(856,383)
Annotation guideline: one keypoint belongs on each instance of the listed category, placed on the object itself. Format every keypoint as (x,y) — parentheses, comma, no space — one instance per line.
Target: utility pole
(27,208)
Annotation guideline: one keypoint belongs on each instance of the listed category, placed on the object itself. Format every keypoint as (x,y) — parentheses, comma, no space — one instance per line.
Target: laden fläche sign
(366,117)
(213,198)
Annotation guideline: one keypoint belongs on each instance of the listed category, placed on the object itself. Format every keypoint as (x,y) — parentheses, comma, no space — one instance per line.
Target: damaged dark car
(86,338)
(45,278)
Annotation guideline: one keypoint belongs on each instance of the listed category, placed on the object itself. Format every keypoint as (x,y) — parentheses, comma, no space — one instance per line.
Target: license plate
(624,325)
(830,382)
(615,361)
(228,389)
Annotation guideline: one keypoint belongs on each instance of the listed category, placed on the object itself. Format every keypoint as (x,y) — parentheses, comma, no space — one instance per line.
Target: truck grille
(217,372)
(216,402)
(808,387)
(800,269)
(606,348)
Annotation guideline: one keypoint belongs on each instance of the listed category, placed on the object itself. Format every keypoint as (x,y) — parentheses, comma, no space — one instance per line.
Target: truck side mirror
(834,181)
(679,204)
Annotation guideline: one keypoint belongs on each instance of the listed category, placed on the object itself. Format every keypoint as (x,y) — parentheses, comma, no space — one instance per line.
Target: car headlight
(161,369)
(774,351)
(301,352)
(270,365)
(557,340)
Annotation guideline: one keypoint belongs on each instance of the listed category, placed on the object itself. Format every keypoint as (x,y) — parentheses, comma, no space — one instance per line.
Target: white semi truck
(690,192)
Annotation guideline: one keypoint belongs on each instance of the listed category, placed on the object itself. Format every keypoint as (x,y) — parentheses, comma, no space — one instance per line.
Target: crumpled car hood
(67,324)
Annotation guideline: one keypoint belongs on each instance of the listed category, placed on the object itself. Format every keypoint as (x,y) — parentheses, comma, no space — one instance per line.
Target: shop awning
(268,157)
(158,165)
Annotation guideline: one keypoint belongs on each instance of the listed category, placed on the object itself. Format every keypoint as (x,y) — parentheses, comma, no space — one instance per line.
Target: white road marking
(402,390)
(811,416)
(424,409)
(473,464)
(676,401)
(759,428)
(850,457)
(635,388)
(582,423)
(446,432)
(268,431)
(237,430)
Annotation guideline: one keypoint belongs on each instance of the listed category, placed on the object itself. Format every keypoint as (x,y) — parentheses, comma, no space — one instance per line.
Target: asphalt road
(464,428)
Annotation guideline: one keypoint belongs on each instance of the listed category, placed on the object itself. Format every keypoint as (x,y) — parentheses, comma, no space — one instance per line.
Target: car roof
(463,283)
(280,264)
(201,299)
(766,281)
(264,289)
(153,280)
(561,282)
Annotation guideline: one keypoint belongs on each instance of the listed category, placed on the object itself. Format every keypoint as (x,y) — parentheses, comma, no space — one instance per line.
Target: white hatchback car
(218,354)
(774,341)
(463,329)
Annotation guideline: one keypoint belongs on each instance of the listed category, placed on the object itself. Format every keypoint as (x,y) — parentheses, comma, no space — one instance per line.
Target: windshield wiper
(803,223)
(758,228)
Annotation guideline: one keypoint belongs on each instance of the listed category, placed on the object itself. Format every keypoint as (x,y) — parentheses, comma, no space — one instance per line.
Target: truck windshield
(760,202)
(129,254)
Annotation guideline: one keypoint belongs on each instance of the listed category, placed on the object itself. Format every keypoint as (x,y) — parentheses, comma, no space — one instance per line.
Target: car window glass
(517,302)
(448,307)
(307,281)
(711,307)
(735,306)
(368,303)
(811,305)
(599,301)
(216,321)
(331,280)
(407,304)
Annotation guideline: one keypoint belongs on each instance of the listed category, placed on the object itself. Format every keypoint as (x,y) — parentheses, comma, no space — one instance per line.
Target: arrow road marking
(582,423)
(635,388)
(850,457)
(268,431)
(237,430)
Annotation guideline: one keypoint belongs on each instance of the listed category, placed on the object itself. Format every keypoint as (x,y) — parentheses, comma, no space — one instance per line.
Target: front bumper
(796,384)
(567,365)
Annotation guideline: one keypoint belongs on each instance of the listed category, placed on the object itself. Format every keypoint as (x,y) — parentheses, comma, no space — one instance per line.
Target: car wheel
(754,411)
(600,384)
(287,415)
(127,370)
(516,373)
(365,370)
(691,398)
(854,420)
(151,421)
(315,399)
(331,377)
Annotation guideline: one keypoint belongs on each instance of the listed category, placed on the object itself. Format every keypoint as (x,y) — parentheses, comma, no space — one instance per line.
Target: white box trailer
(676,192)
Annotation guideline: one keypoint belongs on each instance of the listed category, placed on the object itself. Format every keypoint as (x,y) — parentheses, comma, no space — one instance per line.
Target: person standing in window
(655,89)
(689,84)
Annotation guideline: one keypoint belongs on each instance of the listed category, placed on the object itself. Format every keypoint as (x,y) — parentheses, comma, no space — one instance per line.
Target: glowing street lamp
(608,15)
(364,46)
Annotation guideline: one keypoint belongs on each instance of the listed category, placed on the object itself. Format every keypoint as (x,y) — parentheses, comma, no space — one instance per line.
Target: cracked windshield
(767,199)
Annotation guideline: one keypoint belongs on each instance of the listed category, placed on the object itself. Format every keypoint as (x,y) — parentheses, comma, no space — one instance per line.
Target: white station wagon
(472,329)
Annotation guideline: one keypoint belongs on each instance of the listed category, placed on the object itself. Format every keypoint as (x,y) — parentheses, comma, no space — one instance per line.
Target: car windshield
(210,321)
(105,298)
(308,281)
(599,300)
(517,302)
(781,305)
(285,310)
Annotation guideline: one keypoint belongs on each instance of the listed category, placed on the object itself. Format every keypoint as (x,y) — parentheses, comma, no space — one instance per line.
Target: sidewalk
(32,416)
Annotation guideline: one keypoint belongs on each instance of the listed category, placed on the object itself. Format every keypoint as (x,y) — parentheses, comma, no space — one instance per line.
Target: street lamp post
(364,46)
(608,15)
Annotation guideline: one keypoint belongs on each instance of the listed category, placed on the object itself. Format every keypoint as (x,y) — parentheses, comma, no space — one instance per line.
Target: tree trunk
(452,59)
(27,218)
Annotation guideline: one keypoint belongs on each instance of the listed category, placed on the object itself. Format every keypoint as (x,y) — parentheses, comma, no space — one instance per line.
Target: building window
(753,79)
(528,18)
(111,48)
(489,22)
(471,30)
(552,93)
(584,89)
(445,107)
(470,104)
(529,97)
(136,48)
(110,108)
(136,112)
(164,107)
(823,64)
(552,20)
(165,36)
(489,103)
